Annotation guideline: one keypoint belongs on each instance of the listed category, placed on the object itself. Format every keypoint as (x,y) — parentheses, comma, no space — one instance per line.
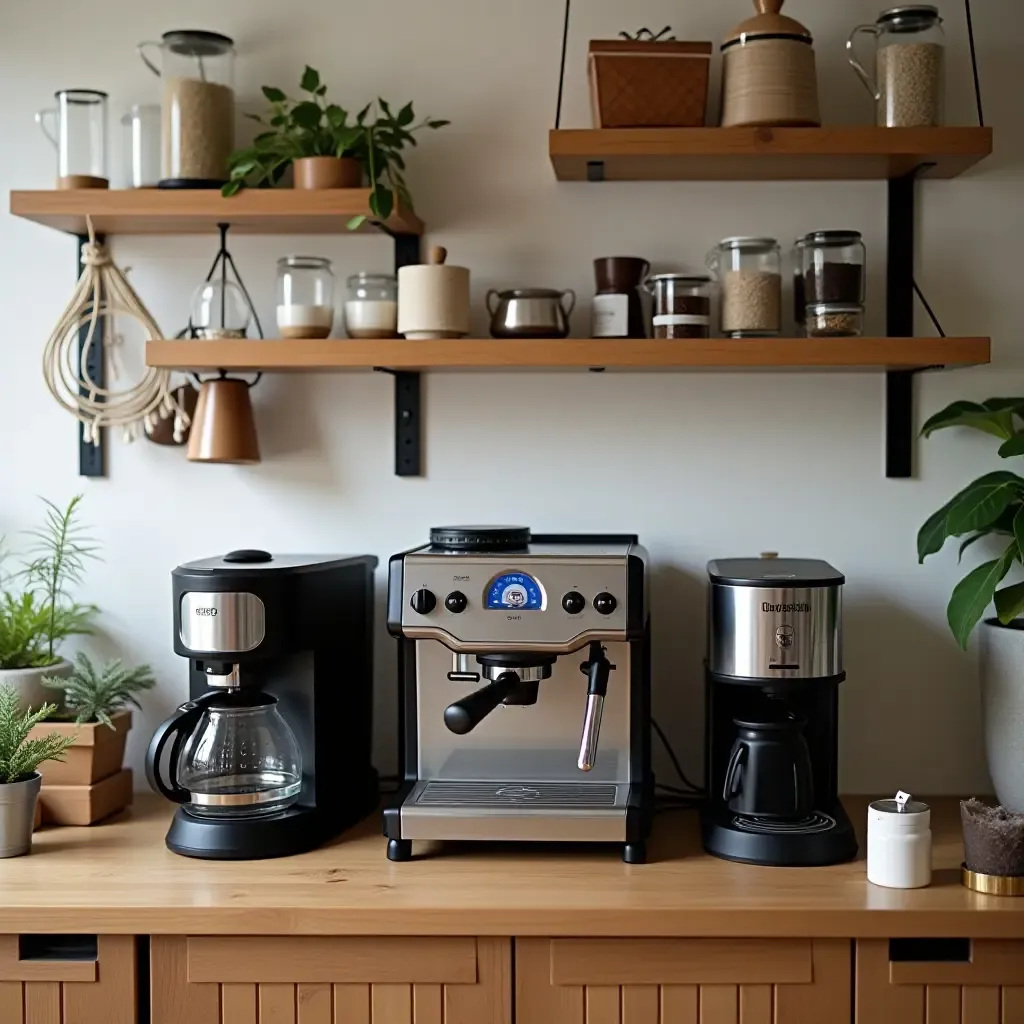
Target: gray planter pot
(17,813)
(1002,703)
(29,682)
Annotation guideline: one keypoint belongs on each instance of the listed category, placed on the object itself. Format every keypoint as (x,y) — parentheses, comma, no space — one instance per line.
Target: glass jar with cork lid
(749,271)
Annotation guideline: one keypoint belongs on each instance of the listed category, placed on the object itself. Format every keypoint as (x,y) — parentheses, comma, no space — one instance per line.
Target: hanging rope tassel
(102,293)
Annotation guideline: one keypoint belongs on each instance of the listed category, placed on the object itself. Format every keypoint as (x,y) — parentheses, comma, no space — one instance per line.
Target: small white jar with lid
(900,843)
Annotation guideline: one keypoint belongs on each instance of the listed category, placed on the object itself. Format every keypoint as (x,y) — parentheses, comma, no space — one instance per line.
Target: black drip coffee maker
(773,673)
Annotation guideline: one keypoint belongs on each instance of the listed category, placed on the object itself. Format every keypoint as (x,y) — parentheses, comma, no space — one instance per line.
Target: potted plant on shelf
(20,756)
(327,149)
(91,783)
(991,506)
(36,611)
(993,849)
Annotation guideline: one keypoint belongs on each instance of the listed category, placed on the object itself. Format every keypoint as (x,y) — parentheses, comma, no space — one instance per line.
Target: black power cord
(688,795)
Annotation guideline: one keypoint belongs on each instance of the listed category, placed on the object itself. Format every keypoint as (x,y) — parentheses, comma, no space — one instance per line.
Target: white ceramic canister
(900,843)
(433,299)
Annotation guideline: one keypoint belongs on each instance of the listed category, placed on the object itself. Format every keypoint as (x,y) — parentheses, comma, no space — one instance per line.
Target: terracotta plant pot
(85,805)
(97,754)
(319,172)
(29,682)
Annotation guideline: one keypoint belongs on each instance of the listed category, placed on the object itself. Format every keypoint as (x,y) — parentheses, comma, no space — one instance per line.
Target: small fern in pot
(96,706)
(21,754)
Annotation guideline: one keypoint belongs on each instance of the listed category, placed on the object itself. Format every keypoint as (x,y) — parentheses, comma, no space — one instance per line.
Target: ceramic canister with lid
(768,71)
(433,299)
(900,843)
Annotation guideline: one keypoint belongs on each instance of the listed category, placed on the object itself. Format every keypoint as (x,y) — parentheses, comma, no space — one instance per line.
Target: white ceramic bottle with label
(900,843)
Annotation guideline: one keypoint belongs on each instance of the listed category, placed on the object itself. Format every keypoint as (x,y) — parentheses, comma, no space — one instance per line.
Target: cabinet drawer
(940,981)
(67,979)
(682,981)
(327,979)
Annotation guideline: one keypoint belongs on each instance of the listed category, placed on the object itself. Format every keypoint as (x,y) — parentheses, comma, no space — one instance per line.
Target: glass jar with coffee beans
(750,276)
(682,305)
(832,270)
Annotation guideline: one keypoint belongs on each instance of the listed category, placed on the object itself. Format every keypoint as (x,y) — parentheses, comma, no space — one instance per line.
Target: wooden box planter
(97,754)
(85,805)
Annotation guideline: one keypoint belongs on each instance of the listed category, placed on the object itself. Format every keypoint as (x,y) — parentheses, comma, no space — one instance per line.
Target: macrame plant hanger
(103,293)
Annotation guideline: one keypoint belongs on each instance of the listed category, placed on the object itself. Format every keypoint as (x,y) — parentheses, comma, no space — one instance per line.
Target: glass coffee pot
(232,755)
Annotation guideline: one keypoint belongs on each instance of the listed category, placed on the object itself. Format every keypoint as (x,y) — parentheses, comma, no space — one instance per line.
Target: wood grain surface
(119,877)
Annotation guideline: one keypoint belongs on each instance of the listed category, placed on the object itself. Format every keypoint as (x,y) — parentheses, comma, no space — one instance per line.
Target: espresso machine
(773,671)
(270,756)
(525,689)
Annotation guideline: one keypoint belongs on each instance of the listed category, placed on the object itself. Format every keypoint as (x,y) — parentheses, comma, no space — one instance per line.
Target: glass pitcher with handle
(77,129)
(231,755)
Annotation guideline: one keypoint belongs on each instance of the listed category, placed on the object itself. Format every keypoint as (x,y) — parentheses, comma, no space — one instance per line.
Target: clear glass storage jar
(832,269)
(305,297)
(834,320)
(371,306)
(749,274)
(909,82)
(142,145)
(77,128)
(198,106)
(682,305)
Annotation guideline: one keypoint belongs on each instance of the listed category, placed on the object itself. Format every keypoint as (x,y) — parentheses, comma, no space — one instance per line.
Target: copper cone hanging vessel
(223,429)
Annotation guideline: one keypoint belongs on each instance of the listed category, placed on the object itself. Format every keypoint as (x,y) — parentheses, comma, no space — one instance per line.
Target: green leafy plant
(19,755)
(991,506)
(93,696)
(36,610)
(314,127)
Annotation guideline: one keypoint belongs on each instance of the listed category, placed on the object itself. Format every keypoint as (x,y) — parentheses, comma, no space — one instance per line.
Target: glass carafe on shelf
(77,128)
(232,754)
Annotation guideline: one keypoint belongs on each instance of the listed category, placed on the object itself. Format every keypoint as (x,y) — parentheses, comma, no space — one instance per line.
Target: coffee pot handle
(175,728)
(869,83)
(41,117)
(572,302)
(492,293)
(140,49)
(734,771)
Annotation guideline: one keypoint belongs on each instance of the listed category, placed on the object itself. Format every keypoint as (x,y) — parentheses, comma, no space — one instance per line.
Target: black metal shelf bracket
(408,426)
(91,456)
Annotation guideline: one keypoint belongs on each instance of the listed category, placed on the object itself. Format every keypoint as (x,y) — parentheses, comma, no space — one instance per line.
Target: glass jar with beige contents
(305,297)
(749,274)
(197,107)
(909,64)
(371,306)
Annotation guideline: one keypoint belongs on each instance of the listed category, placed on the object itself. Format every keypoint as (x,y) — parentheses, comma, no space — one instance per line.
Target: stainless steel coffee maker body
(526,692)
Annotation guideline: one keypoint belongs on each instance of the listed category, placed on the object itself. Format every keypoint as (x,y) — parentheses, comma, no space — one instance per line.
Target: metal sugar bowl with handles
(530,312)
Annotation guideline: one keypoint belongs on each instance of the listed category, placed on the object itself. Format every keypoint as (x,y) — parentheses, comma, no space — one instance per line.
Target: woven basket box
(647,84)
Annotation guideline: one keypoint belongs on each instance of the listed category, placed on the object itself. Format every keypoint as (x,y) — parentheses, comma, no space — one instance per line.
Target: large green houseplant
(37,612)
(312,132)
(990,507)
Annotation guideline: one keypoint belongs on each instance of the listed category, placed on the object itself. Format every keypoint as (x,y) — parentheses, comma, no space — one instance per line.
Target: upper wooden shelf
(579,354)
(150,211)
(765,154)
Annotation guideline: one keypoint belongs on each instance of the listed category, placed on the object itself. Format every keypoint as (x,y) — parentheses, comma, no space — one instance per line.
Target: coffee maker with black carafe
(271,754)
(773,672)
(525,689)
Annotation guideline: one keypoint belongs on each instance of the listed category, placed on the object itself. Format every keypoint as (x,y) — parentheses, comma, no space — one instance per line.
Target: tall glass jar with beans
(682,305)
(750,277)
(832,265)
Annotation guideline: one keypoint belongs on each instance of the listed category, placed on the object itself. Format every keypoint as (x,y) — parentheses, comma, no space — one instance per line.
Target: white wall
(699,465)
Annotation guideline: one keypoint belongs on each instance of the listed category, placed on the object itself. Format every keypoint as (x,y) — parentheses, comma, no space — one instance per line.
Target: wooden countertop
(120,878)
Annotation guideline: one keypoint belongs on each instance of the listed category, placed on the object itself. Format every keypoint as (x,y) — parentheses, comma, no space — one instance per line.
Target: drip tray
(539,811)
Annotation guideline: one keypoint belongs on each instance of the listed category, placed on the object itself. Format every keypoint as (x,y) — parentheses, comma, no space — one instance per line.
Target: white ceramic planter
(17,814)
(29,682)
(1002,702)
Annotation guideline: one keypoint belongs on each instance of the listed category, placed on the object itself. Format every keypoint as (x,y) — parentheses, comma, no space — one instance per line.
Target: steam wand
(596,668)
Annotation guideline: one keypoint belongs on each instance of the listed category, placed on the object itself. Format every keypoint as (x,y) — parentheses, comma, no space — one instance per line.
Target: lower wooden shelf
(572,354)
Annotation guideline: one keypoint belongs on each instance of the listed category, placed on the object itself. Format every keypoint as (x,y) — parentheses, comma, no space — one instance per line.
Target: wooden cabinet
(62,979)
(683,981)
(940,981)
(330,980)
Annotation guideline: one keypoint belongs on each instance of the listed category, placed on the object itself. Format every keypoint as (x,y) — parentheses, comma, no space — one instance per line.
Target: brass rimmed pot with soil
(993,849)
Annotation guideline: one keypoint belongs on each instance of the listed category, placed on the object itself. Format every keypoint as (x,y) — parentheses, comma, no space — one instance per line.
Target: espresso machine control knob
(456,602)
(605,603)
(423,602)
(574,602)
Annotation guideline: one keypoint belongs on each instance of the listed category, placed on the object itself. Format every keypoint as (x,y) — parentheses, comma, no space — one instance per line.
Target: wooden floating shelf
(571,354)
(151,211)
(841,153)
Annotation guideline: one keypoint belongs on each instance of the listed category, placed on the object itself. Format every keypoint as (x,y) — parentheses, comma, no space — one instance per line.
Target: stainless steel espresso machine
(525,689)
(772,714)
(270,756)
